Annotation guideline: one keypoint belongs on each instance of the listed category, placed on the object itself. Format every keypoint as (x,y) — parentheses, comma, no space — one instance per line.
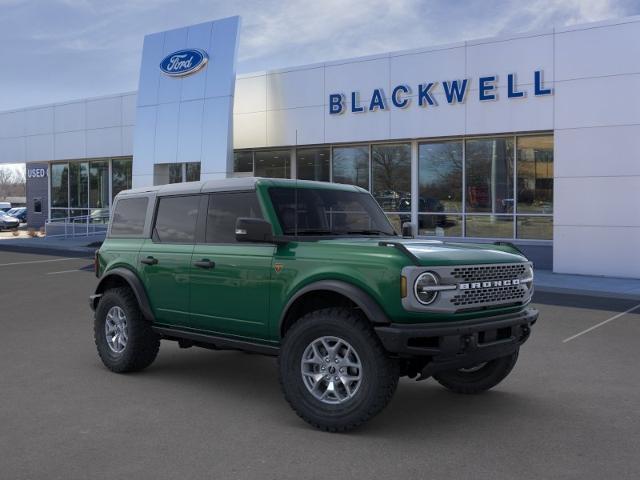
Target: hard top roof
(231,184)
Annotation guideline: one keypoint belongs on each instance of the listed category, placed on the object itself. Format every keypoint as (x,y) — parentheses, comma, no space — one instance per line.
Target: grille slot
(480,273)
(514,293)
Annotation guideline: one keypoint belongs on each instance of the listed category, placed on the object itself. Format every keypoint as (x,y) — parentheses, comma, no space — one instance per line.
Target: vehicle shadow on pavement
(418,408)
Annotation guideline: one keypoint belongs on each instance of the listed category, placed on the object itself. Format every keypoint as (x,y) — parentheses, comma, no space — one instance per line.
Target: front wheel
(333,370)
(478,378)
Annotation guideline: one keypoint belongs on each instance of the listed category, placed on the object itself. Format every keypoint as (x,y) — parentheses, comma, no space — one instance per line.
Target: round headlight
(423,288)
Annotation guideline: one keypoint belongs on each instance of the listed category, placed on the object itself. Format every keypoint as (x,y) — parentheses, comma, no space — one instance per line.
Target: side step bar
(215,341)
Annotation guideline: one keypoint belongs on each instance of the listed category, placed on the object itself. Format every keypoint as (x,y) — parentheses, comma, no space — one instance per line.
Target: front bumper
(454,345)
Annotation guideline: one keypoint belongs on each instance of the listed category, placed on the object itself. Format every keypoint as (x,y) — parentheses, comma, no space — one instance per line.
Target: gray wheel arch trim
(134,283)
(362,299)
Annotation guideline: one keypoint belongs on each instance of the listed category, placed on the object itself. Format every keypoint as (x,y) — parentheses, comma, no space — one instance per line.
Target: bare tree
(12,183)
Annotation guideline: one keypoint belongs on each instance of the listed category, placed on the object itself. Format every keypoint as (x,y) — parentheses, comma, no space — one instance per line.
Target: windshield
(328,212)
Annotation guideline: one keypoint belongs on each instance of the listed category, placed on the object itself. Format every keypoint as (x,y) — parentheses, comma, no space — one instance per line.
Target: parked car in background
(8,222)
(5,206)
(20,213)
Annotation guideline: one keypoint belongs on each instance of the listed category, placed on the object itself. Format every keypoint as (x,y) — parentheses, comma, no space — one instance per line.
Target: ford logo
(184,62)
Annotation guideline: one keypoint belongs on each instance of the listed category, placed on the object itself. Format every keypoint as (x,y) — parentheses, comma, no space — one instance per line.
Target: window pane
(440,177)
(60,185)
(129,216)
(489,174)
(243,161)
(121,175)
(78,184)
(59,213)
(440,225)
(273,164)
(176,219)
(313,164)
(193,172)
(536,228)
(224,210)
(351,165)
(489,226)
(535,174)
(391,170)
(99,184)
(175,173)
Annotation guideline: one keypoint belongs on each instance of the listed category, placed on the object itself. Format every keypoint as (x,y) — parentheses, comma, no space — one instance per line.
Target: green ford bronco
(314,274)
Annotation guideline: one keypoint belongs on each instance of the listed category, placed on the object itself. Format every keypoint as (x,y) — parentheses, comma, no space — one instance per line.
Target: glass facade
(87,187)
(483,187)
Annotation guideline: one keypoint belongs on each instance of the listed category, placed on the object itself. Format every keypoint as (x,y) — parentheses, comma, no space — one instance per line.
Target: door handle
(204,263)
(149,261)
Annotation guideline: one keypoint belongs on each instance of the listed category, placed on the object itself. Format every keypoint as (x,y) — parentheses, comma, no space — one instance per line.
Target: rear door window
(129,216)
(176,219)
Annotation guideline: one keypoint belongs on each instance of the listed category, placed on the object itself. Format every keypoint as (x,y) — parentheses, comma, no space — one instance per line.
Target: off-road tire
(379,372)
(480,380)
(142,344)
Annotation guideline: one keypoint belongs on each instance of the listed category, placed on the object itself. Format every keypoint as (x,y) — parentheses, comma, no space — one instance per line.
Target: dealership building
(531,138)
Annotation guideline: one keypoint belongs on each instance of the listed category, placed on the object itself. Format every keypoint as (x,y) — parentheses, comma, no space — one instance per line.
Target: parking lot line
(615,317)
(36,261)
(66,271)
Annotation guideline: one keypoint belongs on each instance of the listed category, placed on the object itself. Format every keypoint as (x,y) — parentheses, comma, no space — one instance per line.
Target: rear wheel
(477,378)
(333,371)
(124,339)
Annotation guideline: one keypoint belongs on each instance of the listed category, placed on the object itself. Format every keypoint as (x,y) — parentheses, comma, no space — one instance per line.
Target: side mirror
(407,229)
(254,230)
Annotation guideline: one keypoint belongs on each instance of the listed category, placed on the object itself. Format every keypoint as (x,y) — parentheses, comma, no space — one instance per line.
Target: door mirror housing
(254,230)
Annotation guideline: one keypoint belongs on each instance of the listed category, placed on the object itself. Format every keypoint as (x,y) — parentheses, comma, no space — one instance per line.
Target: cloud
(80,48)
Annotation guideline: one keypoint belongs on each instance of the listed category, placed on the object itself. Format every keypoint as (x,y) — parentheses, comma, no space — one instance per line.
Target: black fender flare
(134,283)
(362,299)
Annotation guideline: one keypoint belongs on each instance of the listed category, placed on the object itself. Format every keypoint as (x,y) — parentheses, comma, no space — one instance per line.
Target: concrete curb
(587,293)
(50,250)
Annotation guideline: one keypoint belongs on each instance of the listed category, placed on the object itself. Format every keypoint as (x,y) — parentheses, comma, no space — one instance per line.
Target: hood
(434,252)
(438,253)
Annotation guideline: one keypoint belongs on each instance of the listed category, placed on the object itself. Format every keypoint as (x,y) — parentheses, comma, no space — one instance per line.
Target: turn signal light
(403,286)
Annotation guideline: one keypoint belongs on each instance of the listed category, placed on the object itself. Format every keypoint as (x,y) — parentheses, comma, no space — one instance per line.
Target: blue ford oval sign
(184,62)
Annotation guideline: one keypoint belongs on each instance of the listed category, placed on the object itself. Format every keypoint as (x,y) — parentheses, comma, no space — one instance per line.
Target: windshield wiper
(367,232)
(317,231)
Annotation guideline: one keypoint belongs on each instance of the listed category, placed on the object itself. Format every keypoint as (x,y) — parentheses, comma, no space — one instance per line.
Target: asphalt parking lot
(569,409)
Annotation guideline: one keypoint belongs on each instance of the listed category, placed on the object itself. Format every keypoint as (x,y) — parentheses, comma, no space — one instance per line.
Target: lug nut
(326,359)
(336,378)
(342,370)
(323,368)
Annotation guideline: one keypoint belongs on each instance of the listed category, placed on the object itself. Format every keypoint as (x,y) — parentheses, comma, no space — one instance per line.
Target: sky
(58,50)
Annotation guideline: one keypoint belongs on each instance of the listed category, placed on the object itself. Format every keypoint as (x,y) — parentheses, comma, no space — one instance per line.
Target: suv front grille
(491,295)
(479,273)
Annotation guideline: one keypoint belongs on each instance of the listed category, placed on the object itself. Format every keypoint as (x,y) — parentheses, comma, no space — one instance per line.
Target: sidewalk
(56,245)
(624,288)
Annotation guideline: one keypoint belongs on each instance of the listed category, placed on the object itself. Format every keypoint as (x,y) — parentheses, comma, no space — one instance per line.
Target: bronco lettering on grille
(493,283)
